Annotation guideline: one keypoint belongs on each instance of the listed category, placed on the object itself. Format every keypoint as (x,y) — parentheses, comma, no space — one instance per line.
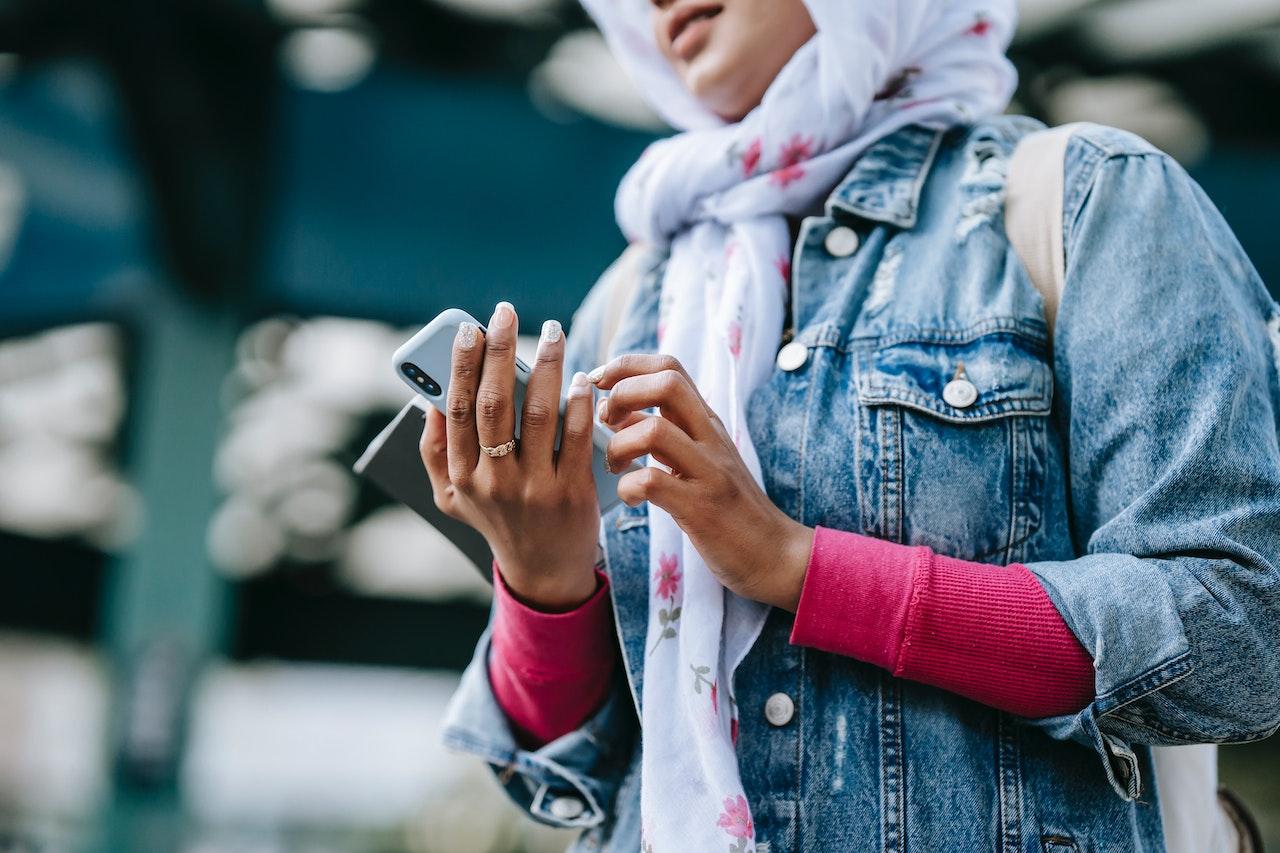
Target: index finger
(640,380)
(610,373)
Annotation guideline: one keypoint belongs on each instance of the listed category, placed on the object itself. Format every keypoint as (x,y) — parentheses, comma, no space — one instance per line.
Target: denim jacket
(1131,464)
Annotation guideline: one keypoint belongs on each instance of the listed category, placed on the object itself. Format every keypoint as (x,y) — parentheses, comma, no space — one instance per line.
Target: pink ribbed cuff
(855,596)
(986,632)
(550,671)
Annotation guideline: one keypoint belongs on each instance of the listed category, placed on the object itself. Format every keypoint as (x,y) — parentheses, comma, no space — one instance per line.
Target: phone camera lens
(422,380)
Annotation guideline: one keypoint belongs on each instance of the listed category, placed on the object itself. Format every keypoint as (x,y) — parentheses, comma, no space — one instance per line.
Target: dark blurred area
(218,218)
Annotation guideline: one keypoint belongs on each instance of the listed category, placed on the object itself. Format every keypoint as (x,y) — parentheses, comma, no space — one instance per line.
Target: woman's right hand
(535,506)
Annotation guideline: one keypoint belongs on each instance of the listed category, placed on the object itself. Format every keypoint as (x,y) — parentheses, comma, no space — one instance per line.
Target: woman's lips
(689,30)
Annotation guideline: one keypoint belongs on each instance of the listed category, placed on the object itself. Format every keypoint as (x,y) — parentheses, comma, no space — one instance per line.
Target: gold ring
(500,450)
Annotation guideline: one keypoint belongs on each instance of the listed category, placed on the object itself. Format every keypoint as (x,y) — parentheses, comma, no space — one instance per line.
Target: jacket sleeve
(572,781)
(1166,355)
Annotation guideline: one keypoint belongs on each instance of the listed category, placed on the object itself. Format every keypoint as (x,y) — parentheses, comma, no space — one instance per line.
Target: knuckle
(458,408)
(577,428)
(443,501)
(533,496)
(537,414)
(464,369)
(501,490)
(499,346)
(550,354)
(491,404)
(648,480)
(721,487)
(653,429)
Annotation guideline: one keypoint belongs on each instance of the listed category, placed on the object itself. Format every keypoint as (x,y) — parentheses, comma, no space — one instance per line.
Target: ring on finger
(499,449)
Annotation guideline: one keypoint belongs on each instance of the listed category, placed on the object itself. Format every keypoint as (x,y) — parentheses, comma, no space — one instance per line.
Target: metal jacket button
(841,242)
(792,356)
(566,808)
(959,393)
(779,709)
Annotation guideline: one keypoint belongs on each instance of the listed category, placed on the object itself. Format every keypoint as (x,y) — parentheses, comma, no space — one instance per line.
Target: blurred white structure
(328,58)
(62,401)
(1145,30)
(53,730)
(343,748)
(1142,105)
(581,74)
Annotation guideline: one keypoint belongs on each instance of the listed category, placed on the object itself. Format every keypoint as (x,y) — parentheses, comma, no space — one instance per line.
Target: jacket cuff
(570,782)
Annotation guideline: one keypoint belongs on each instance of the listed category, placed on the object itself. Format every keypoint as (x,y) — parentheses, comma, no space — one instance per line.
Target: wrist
(784,576)
(551,593)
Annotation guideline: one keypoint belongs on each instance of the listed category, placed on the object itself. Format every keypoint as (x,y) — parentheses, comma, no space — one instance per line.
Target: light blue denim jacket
(1132,466)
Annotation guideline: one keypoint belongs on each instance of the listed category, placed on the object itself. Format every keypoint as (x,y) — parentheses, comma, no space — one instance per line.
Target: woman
(904,573)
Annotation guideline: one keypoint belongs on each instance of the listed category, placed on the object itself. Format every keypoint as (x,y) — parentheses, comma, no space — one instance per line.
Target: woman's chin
(726,95)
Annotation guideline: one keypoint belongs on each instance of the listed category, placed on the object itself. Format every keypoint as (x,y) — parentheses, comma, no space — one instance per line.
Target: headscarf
(716,196)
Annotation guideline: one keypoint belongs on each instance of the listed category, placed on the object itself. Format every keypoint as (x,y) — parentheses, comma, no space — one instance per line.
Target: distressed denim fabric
(1132,465)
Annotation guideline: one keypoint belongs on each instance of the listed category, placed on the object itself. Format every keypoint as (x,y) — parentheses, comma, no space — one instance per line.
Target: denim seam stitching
(1153,679)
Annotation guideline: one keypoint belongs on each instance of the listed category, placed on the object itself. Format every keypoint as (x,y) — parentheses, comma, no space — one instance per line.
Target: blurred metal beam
(165,610)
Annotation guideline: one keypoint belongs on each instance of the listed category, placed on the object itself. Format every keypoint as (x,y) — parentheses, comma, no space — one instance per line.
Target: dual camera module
(422,380)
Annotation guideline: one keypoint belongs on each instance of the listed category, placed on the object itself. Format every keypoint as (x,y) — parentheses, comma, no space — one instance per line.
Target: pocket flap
(1005,369)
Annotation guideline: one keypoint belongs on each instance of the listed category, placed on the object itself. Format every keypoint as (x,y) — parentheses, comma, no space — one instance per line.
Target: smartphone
(424,363)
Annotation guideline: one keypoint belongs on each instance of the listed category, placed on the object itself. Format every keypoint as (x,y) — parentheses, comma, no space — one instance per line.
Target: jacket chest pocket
(951,443)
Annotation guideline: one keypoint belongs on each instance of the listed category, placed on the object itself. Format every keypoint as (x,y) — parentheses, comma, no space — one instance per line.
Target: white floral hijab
(716,195)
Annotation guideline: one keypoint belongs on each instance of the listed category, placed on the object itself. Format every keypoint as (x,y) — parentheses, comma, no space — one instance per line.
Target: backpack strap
(1185,775)
(1033,211)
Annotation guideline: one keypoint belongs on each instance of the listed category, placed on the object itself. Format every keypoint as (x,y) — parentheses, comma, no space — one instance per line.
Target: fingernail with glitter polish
(466,337)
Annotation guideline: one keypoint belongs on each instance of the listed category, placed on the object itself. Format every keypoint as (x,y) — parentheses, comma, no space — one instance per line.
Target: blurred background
(217,220)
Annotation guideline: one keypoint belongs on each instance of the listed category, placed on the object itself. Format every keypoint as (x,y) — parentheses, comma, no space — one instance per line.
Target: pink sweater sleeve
(989,633)
(550,671)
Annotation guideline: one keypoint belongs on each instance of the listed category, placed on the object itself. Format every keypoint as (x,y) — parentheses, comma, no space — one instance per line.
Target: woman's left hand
(753,547)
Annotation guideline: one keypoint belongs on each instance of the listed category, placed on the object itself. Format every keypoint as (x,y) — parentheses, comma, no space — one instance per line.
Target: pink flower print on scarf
(748,158)
(793,154)
(751,157)
(981,26)
(783,266)
(668,578)
(736,821)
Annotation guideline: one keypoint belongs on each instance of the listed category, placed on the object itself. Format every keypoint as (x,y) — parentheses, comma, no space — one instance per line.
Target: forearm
(550,671)
(989,633)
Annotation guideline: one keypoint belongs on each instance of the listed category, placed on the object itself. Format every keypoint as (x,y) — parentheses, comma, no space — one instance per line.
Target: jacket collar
(885,183)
